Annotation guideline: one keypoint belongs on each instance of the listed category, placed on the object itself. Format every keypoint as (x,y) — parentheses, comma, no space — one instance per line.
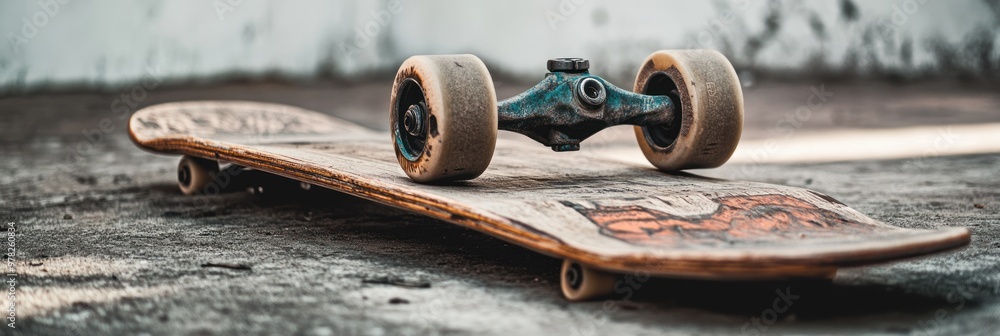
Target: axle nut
(413,120)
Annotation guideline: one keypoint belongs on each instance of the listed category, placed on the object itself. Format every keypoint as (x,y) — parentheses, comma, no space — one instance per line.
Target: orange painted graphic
(738,219)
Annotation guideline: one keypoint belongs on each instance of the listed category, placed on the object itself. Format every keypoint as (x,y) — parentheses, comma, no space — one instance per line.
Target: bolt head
(568,64)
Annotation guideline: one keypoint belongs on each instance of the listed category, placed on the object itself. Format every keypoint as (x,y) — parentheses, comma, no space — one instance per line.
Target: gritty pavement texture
(108,245)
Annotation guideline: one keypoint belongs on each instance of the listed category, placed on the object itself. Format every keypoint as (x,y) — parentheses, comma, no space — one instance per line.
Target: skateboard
(603,217)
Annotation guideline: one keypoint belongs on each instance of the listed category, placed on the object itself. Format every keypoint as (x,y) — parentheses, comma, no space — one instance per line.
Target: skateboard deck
(594,210)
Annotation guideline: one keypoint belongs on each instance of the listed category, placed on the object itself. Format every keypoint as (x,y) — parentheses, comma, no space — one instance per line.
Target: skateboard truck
(686,109)
(570,105)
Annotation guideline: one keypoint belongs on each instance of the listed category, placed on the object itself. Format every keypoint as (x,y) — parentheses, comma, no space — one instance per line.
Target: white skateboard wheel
(194,173)
(581,283)
(443,117)
(707,128)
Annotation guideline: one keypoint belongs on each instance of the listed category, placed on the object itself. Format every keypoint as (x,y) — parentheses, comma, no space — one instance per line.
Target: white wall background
(104,43)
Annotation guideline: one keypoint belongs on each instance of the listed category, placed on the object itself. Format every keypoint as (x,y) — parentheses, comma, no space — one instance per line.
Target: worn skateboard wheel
(194,173)
(581,283)
(443,117)
(707,126)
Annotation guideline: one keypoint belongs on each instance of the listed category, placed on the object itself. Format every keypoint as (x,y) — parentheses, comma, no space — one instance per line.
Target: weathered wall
(104,43)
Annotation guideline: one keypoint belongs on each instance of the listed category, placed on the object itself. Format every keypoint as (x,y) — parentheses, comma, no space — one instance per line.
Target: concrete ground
(106,244)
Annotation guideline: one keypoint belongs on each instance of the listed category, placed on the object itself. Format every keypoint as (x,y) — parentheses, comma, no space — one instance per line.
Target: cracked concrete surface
(108,245)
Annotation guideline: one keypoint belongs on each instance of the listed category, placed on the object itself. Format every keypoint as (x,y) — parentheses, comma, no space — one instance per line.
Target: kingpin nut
(568,64)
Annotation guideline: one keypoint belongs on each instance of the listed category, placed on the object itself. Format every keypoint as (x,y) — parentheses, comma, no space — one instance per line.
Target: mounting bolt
(568,64)
(413,120)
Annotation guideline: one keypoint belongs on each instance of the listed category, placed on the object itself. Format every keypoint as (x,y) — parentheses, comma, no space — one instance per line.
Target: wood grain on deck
(588,208)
